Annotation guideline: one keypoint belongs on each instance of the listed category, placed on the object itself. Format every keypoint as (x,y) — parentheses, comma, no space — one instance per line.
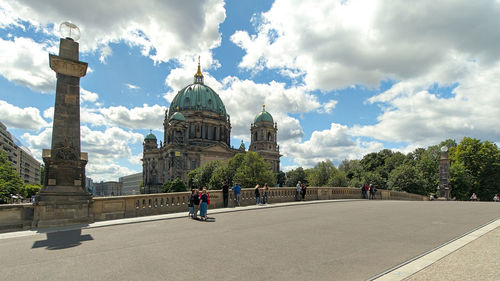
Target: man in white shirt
(297,192)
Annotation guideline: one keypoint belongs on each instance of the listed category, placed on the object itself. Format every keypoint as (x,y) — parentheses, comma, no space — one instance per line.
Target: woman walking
(203,204)
(266,193)
(257,194)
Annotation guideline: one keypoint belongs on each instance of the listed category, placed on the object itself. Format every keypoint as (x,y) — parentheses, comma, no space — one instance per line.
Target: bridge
(345,239)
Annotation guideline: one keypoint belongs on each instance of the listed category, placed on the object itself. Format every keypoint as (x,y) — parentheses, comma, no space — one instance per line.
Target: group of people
(300,192)
(199,201)
(265,193)
(368,189)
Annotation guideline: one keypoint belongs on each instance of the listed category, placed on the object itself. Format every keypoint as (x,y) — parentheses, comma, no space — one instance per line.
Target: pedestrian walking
(237,193)
(496,198)
(303,191)
(196,203)
(257,194)
(297,191)
(204,204)
(363,190)
(225,194)
(266,193)
(191,204)
(373,190)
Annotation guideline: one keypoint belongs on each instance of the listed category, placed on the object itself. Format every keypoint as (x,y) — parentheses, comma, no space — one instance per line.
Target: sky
(341,78)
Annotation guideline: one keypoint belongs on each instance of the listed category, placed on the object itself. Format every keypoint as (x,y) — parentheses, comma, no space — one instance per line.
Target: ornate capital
(68,67)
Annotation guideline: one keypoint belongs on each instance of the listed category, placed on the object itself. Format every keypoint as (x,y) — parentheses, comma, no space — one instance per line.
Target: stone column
(63,198)
(444,187)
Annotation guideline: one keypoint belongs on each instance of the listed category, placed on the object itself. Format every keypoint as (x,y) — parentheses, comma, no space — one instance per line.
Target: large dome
(198,97)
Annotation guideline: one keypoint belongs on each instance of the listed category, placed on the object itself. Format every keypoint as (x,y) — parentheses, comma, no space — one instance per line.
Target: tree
(281,179)
(254,170)
(482,162)
(30,190)
(10,181)
(176,185)
(200,177)
(406,178)
(337,179)
(461,181)
(294,176)
(321,173)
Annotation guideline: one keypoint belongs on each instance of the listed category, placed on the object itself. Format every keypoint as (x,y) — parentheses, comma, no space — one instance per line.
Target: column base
(62,208)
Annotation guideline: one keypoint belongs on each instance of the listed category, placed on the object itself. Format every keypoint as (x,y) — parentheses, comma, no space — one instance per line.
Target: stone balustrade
(19,216)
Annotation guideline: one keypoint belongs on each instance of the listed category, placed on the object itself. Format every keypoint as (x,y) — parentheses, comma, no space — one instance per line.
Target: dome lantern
(198,77)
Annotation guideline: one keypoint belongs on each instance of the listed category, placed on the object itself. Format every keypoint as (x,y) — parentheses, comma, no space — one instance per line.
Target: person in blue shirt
(237,193)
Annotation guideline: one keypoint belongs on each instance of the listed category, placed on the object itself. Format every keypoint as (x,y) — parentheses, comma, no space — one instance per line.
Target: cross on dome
(198,77)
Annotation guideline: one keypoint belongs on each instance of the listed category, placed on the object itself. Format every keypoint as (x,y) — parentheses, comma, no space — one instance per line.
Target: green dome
(198,97)
(150,136)
(178,116)
(263,116)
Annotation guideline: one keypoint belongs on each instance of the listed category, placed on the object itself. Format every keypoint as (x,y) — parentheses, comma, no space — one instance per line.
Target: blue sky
(341,78)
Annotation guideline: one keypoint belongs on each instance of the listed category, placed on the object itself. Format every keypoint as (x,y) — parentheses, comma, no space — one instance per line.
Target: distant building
(131,184)
(197,129)
(109,188)
(89,185)
(20,156)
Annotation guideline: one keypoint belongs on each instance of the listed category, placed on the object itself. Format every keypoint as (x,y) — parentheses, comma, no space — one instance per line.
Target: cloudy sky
(341,78)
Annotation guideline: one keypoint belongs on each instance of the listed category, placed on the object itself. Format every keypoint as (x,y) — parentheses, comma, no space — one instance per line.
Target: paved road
(330,241)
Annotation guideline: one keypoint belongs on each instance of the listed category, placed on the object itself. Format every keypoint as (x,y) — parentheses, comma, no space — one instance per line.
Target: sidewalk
(475,256)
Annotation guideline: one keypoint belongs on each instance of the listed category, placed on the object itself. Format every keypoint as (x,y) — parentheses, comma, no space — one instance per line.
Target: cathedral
(197,129)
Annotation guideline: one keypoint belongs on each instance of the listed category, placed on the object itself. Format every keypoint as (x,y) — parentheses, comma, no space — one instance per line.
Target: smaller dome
(150,136)
(178,116)
(263,116)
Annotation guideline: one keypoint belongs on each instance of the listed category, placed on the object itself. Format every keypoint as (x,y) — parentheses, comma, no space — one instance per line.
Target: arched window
(269,136)
(255,136)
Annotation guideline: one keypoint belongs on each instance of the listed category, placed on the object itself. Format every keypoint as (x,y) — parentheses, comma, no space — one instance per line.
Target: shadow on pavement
(62,240)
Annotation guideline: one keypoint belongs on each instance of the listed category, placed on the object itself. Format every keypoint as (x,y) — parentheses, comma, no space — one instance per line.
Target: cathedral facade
(197,129)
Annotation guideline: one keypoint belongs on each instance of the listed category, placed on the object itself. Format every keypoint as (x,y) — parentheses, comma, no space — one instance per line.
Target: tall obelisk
(63,198)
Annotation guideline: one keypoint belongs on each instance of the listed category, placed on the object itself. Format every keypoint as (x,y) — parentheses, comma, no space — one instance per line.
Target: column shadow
(62,240)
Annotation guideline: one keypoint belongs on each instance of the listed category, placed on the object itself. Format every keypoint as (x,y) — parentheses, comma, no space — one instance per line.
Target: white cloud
(328,107)
(88,96)
(132,87)
(26,62)
(333,144)
(135,118)
(162,29)
(27,118)
(107,171)
(341,43)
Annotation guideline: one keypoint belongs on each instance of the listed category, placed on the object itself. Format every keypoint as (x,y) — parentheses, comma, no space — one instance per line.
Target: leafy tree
(281,178)
(254,170)
(337,179)
(353,172)
(30,190)
(461,181)
(320,174)
(201,176)
(406,178)
(295,175)
(10,181)
(176,185)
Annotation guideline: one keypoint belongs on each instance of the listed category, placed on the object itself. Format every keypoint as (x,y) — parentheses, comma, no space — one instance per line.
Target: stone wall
(20,216)
(14,217)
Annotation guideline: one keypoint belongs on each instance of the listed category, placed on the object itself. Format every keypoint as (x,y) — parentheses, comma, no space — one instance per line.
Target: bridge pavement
(351,240)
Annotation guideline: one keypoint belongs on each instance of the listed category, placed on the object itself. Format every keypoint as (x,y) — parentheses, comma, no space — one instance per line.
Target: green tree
(30,190)
(281,179)
(176,185)
(461,181)
(406,178)
(295,175)
(10,181)
(200,177)
(482,162)
(254,170)
(321,173)
(337,179)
